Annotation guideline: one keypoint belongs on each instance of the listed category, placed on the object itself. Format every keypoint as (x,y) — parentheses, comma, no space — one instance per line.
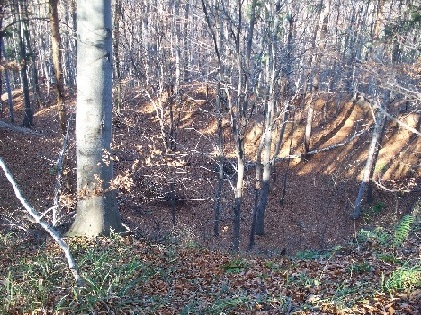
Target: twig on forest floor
(382,186)
(47,227)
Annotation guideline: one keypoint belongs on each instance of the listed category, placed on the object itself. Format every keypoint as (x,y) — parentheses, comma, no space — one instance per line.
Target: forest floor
(313,258)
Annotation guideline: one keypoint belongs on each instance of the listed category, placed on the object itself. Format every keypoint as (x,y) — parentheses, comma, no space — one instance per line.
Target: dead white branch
(48,228)
(337,145)
(374,106)
(382,186)
(328,148)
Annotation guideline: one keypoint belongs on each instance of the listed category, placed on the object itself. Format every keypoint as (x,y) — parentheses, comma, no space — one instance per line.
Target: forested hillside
(258,157)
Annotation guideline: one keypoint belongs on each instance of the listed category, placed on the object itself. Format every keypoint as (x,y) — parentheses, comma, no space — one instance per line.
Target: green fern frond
(402,230)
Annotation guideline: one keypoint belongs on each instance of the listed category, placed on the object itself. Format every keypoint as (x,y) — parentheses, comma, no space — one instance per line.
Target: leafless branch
(380,185)
(374,105)
(47,227)
(328,148)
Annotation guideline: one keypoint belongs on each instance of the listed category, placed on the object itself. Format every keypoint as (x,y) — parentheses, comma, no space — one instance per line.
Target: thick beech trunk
(97,205)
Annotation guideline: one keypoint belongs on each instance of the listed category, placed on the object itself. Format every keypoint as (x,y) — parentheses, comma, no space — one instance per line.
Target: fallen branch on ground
(47,227)
(328,148)
(382,186)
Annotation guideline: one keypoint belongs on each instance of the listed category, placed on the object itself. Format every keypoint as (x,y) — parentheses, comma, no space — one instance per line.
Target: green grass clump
(235,266)
(41,280)
(405,278)
(359,268)
(377,236)
(373,211)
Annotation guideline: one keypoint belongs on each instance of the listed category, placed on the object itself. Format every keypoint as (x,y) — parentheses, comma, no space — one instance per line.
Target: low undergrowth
(379,272)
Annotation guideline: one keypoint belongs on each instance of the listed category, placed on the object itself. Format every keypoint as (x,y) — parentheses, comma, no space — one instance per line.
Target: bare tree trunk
(8,86)
(285,86)
(97,211)
(36,91)
(251,29)
(217,42)
(70,43)
(218,194)
(238,196)
(257,190)
(269,123)
(320,38)
(287,60)
(116,45)
(378,18)
(375,156)
(309,126)
(56,56)
(252,237)
(239,122)
(185,41)
(267,140)
(283,123)
(28,116)
(370,162)
(1,58)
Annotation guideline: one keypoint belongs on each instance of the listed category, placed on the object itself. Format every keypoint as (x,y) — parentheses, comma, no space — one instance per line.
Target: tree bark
(320,38)
(309,126)
(238,196)
(370,163)
(257,190)
(216,38)
(8,87)
(36,91)
(1,57)
(28,115)
(56,56)
(116,43)
(239,124)
(218,193)
(97,211)
(272,97)
(261,208)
